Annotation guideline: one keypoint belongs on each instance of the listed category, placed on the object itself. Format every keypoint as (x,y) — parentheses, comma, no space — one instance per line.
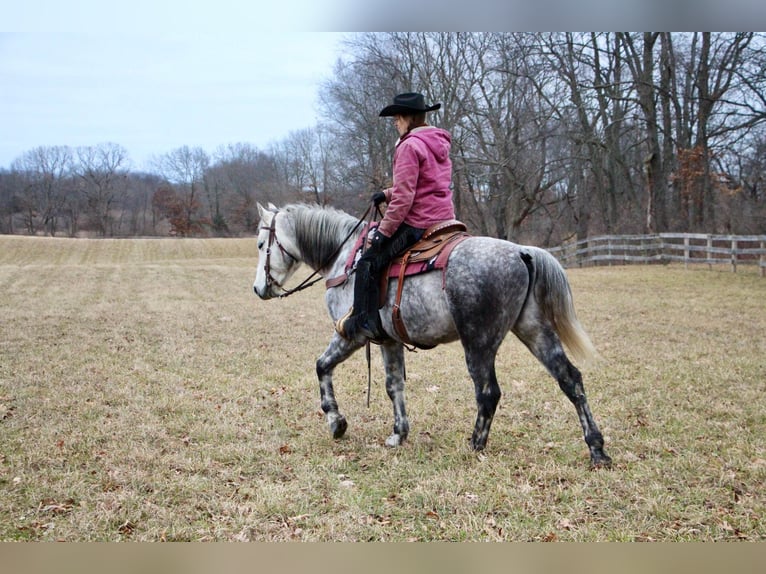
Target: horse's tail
(550,288)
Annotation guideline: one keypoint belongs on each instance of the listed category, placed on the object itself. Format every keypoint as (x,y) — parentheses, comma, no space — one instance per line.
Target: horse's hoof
(338,426)
(478,445)
(600,461)
(394,440)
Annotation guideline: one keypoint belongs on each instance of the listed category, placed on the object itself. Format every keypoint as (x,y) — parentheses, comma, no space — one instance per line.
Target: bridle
(314,277)
(270,280)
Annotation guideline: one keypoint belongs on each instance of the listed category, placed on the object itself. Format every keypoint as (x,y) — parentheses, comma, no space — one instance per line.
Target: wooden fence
(687,248)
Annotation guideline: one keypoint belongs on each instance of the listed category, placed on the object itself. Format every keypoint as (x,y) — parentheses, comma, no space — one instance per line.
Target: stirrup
(374,334)
(340,324)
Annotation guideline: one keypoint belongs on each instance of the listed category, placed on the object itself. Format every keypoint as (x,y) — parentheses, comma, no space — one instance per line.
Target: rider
(420,196)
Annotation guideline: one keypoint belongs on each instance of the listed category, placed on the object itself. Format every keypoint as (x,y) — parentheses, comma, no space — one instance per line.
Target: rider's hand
(378,197)
(376,239)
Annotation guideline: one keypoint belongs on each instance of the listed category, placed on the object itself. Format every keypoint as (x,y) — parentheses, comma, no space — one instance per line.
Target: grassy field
(147,394)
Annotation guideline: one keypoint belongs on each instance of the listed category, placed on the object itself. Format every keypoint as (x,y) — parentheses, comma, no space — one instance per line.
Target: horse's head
(276,246)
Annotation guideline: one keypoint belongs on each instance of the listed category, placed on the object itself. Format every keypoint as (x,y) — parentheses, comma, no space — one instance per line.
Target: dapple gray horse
(490,287)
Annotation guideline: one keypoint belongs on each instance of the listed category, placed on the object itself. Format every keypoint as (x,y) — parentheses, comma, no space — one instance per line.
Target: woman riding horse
(420,196)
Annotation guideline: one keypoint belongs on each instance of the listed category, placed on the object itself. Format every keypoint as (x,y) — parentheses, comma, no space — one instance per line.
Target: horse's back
(482,259)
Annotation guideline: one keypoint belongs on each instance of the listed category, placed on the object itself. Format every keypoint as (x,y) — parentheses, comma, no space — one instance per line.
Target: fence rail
(688,248)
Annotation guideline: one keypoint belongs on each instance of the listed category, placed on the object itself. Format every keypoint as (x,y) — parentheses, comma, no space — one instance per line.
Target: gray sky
(153,75)
(154,92)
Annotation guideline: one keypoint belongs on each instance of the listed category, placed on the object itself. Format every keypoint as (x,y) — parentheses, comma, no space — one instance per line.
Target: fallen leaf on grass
(49,505)
(377,519)
(6,411)
(33,527)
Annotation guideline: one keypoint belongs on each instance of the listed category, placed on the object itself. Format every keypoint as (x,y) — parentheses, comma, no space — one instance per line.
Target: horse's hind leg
(393,361)
(546,346)
(481,367)
(338,351)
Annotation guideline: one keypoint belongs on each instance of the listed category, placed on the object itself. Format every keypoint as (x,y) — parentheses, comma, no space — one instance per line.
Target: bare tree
(363,83)
(46,175)
(136,205)
(237,170)
(641,63)
(11,187)
(509,130)
(102,171)
(185,169)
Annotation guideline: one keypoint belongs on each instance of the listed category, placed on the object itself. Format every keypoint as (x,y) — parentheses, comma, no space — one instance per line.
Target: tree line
(555,136)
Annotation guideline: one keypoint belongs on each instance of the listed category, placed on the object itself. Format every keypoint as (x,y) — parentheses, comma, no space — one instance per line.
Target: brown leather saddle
(430,253)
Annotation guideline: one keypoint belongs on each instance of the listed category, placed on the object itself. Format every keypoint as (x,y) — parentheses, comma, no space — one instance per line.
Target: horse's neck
(331,258)
(339,264)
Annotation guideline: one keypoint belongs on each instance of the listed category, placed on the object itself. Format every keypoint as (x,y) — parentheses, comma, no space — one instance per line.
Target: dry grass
(147,394)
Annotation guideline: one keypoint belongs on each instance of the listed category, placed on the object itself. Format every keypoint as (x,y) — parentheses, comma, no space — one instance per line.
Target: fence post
(763,259)
(733,255)
(609,249)
(709,252)
(686,252)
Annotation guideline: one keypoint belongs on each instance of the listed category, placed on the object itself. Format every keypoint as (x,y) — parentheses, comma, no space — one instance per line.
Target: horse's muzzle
(265,294)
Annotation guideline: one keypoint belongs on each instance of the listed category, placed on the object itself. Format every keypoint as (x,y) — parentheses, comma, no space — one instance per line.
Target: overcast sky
(154,93)
(153,75)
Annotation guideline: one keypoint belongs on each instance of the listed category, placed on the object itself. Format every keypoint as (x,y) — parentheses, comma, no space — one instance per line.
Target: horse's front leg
(338,351)
(393,361)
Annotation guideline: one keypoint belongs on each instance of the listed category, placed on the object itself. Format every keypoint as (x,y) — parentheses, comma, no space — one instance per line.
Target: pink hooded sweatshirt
(421,194)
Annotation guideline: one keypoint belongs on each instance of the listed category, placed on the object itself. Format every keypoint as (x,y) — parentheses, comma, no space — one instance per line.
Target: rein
(314,277)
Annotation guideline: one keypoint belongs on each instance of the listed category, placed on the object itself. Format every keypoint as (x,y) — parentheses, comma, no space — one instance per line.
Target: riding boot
(363,318)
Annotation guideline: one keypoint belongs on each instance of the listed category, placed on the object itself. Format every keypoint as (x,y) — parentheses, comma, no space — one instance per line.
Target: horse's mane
(319,231)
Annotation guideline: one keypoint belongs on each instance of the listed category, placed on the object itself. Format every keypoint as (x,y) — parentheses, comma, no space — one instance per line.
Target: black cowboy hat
(406,104)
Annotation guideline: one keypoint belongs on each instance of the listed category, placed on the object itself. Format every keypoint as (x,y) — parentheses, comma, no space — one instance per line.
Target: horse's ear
(264,210)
